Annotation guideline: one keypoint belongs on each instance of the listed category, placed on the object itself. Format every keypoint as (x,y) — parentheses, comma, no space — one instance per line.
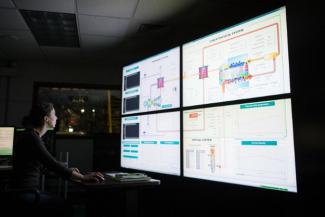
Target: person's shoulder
(29,135)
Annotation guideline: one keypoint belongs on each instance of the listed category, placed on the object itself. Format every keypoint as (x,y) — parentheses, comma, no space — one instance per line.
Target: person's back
(30,156)
(26,165)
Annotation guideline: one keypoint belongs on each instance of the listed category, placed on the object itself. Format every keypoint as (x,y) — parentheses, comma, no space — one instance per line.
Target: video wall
(221,128)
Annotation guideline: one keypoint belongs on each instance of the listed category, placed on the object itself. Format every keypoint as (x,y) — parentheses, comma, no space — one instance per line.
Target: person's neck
(41,130)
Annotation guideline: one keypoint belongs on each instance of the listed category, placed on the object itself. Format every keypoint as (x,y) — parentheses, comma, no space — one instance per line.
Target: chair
(12,204)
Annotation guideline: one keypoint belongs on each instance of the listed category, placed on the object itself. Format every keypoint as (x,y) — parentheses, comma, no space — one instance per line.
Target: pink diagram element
(203,72)
(160,82)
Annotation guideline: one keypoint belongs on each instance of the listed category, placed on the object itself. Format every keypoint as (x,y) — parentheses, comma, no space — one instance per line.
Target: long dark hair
(36,115)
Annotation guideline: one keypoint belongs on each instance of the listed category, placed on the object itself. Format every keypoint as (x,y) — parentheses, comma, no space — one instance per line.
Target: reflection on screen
(155,82)
(151,143)
(245,61)
(248,144)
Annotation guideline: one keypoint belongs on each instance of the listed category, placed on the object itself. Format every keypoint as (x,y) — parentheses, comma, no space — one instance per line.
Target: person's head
(42,115)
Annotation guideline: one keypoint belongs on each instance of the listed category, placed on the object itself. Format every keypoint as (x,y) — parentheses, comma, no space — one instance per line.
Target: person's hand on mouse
(93,177)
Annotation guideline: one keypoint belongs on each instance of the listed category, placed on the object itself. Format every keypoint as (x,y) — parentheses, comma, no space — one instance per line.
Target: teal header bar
(167,106)
(132,91)
(169,142)
(130,156)
(274,188)
(131,118)
(131,69)
(130,142)
(257,105)
(259,143)
(148,142)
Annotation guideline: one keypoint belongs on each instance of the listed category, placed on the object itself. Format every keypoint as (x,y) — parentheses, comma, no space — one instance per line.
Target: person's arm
(48,160)
(73,173)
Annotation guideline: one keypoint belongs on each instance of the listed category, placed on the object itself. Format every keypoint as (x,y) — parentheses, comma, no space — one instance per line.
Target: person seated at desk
(31,156)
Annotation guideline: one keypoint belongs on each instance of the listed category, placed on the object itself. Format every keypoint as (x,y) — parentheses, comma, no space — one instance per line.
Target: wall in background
(21,96)
(21,84)
(80,152)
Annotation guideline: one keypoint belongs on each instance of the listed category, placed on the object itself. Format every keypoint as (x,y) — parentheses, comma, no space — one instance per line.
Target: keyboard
(5,167)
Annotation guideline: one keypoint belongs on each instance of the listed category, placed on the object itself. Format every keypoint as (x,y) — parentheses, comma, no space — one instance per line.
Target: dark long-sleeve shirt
(30,157)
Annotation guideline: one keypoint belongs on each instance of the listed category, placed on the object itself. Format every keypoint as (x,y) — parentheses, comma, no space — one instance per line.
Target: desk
(5,175)
(6,168)
(131,190)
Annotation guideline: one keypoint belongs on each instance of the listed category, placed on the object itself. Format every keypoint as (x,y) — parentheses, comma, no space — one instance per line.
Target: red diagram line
(203,91)
(274,24)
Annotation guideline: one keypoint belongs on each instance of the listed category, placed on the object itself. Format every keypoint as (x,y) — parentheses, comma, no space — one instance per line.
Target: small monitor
(7,135)
(132,80)
(151,143)
(131,104)
(131,131)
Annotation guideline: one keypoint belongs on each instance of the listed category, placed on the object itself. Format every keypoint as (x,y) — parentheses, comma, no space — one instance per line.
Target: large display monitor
(244,61)
(152,84)
(151,142)
(6,140)
(248,144)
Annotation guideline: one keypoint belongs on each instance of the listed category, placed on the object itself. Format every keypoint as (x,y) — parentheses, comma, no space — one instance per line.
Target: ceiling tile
(91,25)
(11,19)
(157,10)
(61,53)
(64,6)
(19,45)
(98,42)
(111,8)
(134,26)
(3,55)
(97,47)
(6,4)
(52,28)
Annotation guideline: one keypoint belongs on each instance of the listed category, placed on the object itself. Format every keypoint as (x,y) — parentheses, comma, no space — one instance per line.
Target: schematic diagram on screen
(152,84)
(245,61)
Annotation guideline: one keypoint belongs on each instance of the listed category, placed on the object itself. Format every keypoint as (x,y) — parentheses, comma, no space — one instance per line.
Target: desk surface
(131,189)
(111,183)
(5,167)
